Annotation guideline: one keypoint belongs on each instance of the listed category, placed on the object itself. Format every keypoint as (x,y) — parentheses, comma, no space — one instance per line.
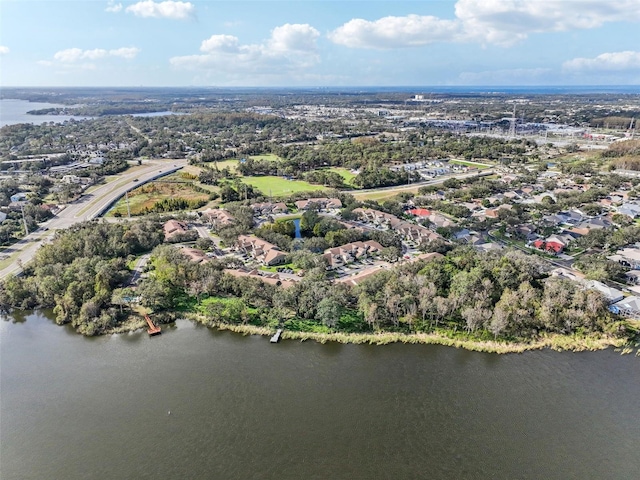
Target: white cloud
(72,55)
(168,9)
(290,47)
(508,21)
(220,43)
(293,37)
(394,32)
(502,22)
(4,50)
(113,7)
(605,62)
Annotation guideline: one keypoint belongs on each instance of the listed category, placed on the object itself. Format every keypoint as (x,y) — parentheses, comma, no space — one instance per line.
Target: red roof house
(419,212)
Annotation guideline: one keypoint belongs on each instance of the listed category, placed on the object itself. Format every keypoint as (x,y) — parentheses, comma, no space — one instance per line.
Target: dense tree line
(79,271)
(82,273)
(497,296)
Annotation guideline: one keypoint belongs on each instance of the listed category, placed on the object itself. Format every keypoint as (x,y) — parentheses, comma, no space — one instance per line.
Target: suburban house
(419,212)
(633,276)
(195,255)
(217,217)
(18,197)
(596,223)
(377,217)
(438,220)
(321,203)
(552,246)
(490,212)
(409,231)
(628,257)
(629,306)
(173,228)
(612,295)
(416,233)
(268,208)
(527,231)
(344,254)
(630,209)
(263,251)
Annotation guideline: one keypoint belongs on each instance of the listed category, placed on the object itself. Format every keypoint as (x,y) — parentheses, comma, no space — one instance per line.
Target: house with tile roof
(351,252)
(263,251)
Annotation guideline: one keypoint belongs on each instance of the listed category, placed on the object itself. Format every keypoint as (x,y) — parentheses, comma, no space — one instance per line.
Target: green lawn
(264,268)
(345,173)
(479,166)
(231,164)
(272,157)
(291,216)
(278,186)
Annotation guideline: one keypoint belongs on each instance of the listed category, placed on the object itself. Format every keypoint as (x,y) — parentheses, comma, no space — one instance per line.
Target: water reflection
(241,407)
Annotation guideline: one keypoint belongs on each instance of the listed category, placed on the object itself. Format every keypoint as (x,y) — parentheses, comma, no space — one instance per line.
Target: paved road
(415,185)
(89,206)
(138,268)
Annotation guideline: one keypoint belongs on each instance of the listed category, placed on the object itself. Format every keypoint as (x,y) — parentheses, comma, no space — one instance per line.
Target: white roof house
(612,295)
(629,306)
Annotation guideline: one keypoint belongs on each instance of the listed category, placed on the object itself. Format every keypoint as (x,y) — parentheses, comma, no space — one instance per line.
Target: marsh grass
(572,343)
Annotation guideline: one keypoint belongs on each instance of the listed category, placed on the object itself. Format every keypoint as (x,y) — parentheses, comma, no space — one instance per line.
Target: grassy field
(147,195)
(291,216)
(479,166)
(345,173)
(278,186)
(267,156)
(230,164)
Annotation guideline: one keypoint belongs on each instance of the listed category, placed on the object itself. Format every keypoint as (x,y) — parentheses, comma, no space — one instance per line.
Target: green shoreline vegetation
(554,342)
(573,343)
(477,301)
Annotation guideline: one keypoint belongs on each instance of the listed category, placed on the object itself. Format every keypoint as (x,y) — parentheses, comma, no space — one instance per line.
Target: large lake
(241,408)
(14,111)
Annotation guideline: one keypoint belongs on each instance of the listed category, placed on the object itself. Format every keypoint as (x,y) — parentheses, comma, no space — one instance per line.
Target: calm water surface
(76,408)
(14,111)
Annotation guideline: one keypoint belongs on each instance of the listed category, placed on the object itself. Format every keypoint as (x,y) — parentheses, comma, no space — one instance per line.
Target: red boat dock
(153,329)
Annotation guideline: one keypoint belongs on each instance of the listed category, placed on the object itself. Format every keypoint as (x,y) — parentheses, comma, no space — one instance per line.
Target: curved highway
(90,205)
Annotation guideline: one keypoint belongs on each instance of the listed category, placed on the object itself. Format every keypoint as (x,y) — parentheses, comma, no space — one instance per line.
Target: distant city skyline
(319,43)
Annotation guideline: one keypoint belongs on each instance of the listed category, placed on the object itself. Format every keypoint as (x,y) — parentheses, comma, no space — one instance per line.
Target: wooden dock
(276,336)
(153,329)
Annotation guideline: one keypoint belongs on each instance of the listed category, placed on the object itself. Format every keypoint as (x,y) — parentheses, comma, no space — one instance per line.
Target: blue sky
(319,43)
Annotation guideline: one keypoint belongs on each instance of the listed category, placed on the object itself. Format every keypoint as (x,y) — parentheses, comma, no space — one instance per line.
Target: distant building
(269,208)
(71,179)
(320,203)
(18,197)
